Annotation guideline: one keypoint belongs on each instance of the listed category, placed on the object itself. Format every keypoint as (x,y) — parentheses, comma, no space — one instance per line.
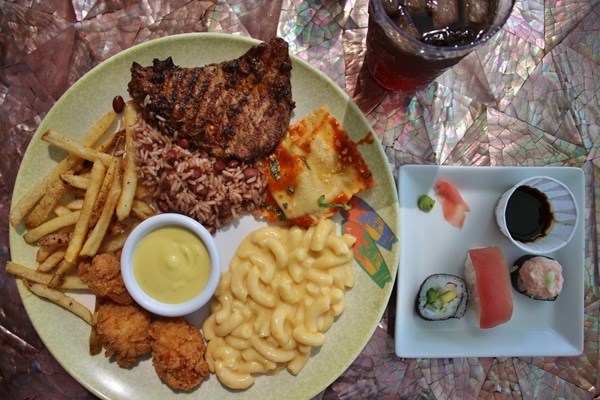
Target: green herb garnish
(274,167)
(322,204)
(275,210)
(305,162)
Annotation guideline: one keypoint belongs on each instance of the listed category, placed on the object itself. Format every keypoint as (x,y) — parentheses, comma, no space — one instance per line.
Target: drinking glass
(400,61)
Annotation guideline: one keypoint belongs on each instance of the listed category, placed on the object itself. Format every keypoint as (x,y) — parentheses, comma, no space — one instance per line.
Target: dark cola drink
(412,42)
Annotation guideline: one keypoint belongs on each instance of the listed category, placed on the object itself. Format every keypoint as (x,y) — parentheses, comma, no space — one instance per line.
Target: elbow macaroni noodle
(283,290)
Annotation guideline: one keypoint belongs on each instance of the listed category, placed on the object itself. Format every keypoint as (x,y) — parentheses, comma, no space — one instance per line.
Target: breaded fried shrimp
(83,269)
(103,276)
(178,353)
(123,331)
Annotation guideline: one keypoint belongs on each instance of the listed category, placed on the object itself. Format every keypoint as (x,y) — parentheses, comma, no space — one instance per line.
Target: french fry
(75,148)
(29,199)
(51,225)
(44,252)
(44,207)
(78,222)
(33,196)
(58,278)
(142,192)
(76,181)
(107,183)
(74,283)
(130,174)
(61,299)
(115,243)
(58,238)
(95,342)
(94,240)
(82,225)
(112,142)
(100,128)
(61,210)
(52,260)
(26,273)
(141,209)
(75,204)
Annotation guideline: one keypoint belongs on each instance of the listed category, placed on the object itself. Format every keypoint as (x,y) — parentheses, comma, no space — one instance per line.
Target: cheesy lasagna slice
(314,171)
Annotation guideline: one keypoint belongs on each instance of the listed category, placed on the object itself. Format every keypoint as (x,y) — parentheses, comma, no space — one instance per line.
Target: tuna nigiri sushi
(453,206)
(488,279)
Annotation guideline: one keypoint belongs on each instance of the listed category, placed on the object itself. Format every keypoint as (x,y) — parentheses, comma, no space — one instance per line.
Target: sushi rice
(441,297)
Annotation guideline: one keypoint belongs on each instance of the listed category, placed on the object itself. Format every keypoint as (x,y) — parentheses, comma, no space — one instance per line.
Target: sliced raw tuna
(488,280)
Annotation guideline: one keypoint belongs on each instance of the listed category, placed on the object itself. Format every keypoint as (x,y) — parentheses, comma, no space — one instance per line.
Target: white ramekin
(133,287)
(563,208)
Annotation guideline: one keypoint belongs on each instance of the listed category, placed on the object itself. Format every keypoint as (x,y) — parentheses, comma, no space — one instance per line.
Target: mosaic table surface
(527,98)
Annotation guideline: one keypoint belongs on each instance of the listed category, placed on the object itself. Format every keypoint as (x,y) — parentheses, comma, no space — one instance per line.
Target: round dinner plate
(66,336)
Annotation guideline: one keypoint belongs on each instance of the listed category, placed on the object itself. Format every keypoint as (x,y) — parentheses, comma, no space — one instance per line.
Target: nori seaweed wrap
(441,297)
(537,277)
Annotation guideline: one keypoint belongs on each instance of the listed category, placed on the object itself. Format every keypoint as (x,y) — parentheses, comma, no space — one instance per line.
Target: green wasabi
(425,203)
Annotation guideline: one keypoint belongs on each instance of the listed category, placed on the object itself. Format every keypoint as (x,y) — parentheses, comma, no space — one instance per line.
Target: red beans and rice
(214,192)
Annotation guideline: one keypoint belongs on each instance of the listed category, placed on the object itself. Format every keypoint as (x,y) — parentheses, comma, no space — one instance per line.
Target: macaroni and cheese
(284,288)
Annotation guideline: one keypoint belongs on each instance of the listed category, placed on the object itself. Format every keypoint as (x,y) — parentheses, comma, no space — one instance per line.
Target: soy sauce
(528,214)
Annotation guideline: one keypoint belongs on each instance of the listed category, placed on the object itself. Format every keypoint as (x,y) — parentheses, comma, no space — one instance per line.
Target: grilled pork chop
(235,109)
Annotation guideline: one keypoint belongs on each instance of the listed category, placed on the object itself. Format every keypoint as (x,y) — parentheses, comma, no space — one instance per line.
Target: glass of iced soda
(412,42)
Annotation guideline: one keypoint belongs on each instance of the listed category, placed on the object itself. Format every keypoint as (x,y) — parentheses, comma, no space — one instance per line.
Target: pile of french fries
(85,206)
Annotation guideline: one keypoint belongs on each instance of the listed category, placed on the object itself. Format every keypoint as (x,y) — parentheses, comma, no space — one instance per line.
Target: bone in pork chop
(235,109)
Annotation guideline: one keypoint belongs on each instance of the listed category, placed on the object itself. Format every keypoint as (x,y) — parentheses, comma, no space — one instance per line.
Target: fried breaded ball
(123,331)
(103,276)
(178,353)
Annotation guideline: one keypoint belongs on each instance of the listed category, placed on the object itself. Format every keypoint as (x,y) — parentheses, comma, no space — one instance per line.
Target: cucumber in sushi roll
(537,277)
(441,297)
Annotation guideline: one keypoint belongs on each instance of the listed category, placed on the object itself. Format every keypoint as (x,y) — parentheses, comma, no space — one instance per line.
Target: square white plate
(430,245)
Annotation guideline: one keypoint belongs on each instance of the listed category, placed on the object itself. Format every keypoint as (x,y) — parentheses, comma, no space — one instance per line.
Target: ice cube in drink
(405,22)
(477,12)
(445,13)
(411,42)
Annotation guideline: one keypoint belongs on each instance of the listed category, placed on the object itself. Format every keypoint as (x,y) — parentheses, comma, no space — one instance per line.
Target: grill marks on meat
(235,109)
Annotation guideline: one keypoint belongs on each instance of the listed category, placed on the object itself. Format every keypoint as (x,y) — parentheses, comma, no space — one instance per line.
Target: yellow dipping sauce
(171,264)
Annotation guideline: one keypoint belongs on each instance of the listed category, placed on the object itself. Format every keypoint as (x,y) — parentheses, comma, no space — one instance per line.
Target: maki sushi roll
(441,297)
(538,277)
